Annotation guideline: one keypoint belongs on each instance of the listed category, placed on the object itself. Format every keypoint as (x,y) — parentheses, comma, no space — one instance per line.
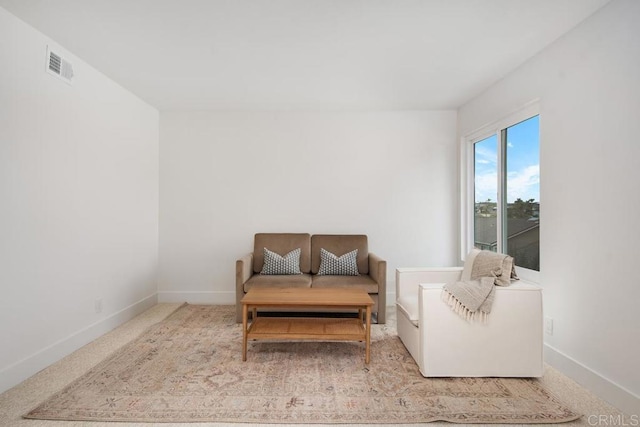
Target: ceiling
(304,54)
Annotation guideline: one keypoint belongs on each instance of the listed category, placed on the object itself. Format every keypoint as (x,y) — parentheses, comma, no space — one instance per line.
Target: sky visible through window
(523,164)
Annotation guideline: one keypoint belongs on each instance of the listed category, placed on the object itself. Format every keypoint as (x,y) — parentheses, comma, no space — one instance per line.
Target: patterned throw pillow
(276,264)
(332,265)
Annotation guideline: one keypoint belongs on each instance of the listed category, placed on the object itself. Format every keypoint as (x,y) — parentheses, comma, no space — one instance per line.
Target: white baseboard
(198,297)
(16,373)
(391,297)
(602,387)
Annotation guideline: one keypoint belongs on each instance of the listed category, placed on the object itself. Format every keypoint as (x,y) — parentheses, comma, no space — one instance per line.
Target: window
(504,189)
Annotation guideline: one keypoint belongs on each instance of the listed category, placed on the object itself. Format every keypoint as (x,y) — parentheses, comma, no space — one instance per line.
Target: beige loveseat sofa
(372,269)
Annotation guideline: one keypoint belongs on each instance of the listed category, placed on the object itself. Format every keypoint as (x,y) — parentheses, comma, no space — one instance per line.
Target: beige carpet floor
(17,401)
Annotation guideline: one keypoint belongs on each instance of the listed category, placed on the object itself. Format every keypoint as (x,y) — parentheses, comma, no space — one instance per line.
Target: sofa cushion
(282,243)
(344,265)
(357,282)
(340,244)
(275,264)
(408,307)
(288,281)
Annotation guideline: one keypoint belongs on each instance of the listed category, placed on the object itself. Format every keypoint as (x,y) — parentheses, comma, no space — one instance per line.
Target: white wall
(78,205)
(589,89)
(226,176)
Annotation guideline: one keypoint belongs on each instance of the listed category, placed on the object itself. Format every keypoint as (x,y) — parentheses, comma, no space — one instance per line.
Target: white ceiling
(304,54)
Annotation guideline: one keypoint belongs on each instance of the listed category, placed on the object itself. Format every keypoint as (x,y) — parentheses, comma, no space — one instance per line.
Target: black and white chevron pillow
(276,264)
(332,265)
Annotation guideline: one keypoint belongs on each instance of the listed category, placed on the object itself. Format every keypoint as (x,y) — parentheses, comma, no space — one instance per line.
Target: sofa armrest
(378,272)
(244,268)
(508,343)
(408,280)
(244,271)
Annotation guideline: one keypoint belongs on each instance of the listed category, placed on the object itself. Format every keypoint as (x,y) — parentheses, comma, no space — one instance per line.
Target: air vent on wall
(58,66)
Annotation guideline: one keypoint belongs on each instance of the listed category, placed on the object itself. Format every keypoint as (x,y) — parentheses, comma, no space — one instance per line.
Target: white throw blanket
(472,297)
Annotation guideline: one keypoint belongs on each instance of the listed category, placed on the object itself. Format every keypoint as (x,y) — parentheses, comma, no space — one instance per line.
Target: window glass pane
(485,155)
(523,193)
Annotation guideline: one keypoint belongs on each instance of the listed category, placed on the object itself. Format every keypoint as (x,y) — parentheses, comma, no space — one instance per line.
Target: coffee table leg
(367,354)
(245,314)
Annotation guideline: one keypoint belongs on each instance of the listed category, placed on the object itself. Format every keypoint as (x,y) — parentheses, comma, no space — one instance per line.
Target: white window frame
(467,183)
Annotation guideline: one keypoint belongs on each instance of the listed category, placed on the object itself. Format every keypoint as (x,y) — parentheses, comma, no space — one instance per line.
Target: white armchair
(443,344)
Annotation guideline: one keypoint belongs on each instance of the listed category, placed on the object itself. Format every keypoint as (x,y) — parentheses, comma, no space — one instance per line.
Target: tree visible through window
(507,192)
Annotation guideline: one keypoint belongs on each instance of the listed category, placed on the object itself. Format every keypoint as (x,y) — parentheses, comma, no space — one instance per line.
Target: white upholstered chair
(443,344)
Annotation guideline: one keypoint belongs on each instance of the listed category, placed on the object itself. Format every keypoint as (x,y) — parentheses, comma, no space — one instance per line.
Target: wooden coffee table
(307,328)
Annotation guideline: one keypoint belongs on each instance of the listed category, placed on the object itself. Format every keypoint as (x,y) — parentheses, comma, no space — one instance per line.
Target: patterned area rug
(189,368)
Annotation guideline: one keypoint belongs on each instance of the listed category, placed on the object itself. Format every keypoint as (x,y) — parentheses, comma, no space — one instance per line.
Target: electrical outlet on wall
(97,305)
(548,325)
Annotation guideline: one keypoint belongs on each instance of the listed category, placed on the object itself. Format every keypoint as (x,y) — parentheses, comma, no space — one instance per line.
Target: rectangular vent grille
(54,63)
(59,67)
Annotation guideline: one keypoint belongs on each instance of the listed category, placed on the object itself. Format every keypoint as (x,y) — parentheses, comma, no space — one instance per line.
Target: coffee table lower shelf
(320,329)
